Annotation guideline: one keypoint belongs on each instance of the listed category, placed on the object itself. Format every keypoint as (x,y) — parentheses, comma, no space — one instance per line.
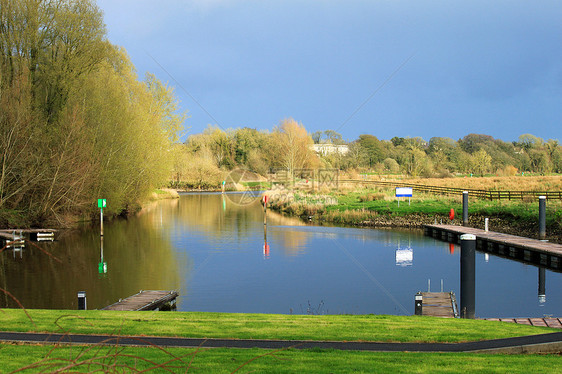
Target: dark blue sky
(387,68)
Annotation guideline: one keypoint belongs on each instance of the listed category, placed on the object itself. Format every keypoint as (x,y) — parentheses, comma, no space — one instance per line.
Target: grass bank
(378,328)
(176,360)
(36,358)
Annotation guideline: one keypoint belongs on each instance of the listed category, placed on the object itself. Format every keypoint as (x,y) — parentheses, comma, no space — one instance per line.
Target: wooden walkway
(145,300)
(545,254)
(439,304)
(34,234)
(544,322)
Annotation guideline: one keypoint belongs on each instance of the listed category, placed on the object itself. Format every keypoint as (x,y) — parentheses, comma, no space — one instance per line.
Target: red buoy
(452,214)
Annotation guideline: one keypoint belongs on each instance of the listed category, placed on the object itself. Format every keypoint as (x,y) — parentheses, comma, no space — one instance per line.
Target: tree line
(206,157)
(76,124)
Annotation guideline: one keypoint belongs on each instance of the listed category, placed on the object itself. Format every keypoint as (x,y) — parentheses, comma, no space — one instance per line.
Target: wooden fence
(482,194)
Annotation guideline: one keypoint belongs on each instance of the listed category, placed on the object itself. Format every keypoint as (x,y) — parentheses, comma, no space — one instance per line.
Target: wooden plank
(544,322)
(27,231)
(144,300)
(553,322)
(437,304)
(507,245)
(538,322)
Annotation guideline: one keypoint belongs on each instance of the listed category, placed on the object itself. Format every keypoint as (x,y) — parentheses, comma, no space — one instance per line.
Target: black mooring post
(542,286)
(418,306)
(81,300)
(468,287)
(542,217)
(465,208)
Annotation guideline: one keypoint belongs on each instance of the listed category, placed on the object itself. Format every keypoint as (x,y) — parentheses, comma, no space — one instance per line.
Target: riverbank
(232,327)
(378,208)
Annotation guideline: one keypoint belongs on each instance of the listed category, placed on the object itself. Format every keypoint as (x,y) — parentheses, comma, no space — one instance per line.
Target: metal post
(101,221)
(418,304)
(486,221)
(81,300)
(542,286)
(468,292)
(465,208)
(542,217)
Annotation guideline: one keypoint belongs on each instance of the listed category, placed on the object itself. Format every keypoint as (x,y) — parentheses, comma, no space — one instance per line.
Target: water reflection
(222,258)
(542,286)
(140,257)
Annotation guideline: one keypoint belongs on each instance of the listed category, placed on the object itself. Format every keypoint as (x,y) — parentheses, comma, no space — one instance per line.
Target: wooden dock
(555,323)
(439,304)
(537,252)
(34,234)
(146,300)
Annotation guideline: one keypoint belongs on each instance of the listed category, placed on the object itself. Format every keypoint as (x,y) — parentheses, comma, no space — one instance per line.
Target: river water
(212,248)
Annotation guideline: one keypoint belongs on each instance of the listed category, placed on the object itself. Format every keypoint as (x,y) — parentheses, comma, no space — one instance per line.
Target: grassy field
(366,205)
(380,328)
(33,359)
(36,358)
(383,202)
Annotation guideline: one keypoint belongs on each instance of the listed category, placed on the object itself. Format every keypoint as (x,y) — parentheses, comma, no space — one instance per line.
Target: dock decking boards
(545,254)
(144,300)
(545,322)
(439,304)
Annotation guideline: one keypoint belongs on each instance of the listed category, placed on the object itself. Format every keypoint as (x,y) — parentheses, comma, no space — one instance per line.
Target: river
(212,249)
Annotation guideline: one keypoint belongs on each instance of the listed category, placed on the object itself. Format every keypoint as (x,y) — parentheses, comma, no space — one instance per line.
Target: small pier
(34,234)
(437,304)
(146,300)
(537,252)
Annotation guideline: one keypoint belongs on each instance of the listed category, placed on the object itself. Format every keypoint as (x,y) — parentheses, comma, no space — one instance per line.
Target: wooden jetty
(544,254)
(146,300)
(438,304)
(34,234)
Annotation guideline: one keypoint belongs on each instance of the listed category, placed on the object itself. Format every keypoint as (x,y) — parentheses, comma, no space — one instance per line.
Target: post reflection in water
(542,286)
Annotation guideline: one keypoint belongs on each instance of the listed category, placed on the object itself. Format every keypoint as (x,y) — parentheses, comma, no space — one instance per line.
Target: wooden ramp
(145,300)
(545,254)
(439,304)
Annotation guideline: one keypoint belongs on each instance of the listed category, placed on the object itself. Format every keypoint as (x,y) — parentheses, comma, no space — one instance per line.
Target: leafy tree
(75,122)
(292,144)
(373,148)
(528,141)
(482,162)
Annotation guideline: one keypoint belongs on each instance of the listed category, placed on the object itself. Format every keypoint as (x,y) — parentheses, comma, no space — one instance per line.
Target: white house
(329,148)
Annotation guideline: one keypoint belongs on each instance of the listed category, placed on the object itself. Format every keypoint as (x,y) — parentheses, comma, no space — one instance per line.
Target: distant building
(328,148)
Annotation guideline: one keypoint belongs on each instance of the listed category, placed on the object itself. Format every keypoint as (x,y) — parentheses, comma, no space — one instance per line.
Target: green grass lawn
(32,359)
(38,358)
(378,328)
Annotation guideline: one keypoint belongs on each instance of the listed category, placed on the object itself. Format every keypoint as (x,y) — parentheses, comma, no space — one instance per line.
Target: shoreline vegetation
(364,205)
